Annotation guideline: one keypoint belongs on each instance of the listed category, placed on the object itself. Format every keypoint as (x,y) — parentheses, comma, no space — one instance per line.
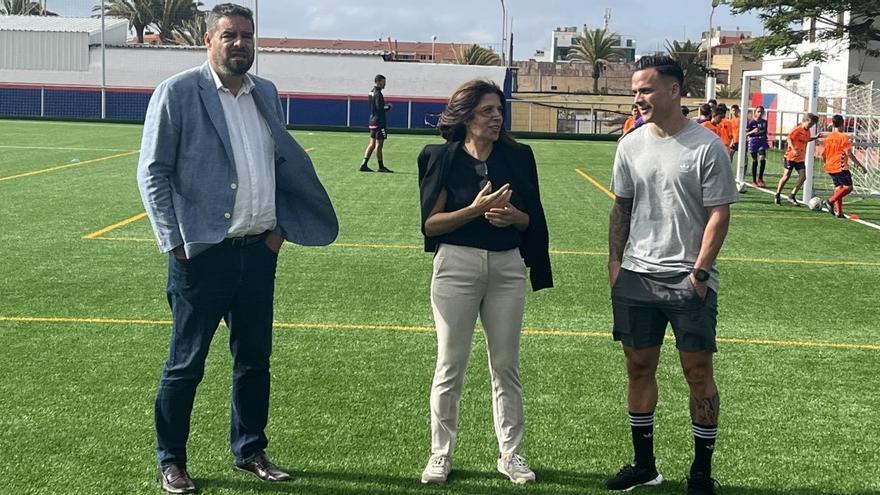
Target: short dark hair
(734,107)
(713,101)
(814,119)
(379,77)
(685,110)
(226,10)
(664,65)
(461,106)
(720,111)
(705,109)
(837,121)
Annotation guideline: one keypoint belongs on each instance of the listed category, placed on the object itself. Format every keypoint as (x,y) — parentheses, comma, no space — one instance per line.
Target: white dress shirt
(253,150)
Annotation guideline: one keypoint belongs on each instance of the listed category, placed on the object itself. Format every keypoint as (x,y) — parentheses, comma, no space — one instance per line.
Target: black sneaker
(365,168)
(793,199)
(830,208)
(385,169)
(777,199)
(631,476)
(700,484)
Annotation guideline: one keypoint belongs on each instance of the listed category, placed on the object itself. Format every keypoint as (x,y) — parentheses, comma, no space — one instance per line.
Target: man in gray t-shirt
(673,186)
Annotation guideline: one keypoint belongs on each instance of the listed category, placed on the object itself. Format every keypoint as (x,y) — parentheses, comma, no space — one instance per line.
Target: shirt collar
(246,87)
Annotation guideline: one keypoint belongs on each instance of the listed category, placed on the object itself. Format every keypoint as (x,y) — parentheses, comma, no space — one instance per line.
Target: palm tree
(140,13)
(191,32)
(23,7)
(687,54)
(174,13)
(164,15)
(598,48)
(727,92)
(476,55)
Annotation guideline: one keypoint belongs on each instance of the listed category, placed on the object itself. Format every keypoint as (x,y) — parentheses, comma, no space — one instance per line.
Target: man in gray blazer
(224,184)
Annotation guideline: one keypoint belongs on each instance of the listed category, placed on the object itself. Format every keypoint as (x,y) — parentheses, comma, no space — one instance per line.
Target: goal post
(812,107)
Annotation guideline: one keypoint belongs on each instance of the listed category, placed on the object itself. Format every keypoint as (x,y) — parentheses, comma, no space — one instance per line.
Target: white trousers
(468,282)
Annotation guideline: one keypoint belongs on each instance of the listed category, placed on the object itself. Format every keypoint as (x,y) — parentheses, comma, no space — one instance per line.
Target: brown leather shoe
(261,467)
(175,479)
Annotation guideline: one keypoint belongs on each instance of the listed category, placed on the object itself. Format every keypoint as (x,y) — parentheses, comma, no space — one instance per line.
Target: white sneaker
(515,467)
(437,469)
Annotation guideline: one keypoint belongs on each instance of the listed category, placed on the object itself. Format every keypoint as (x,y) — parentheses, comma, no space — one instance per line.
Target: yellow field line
(308,150)
(740,215)
(429,329)
(377,246)
(595,183)
(67,165)
(57,148)
(99,233)
(558,252)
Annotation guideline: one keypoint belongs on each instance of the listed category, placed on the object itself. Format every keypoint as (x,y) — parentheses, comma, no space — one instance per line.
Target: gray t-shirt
(671,181)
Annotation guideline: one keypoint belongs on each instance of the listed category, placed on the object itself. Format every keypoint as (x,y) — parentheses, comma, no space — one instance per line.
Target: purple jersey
(761,135)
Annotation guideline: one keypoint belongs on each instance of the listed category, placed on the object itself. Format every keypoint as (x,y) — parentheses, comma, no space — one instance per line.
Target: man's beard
(237,67)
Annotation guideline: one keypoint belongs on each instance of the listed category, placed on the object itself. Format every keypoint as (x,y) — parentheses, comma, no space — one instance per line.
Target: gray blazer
(186,168)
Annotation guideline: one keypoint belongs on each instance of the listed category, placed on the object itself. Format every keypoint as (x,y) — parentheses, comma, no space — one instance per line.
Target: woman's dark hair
(462,105)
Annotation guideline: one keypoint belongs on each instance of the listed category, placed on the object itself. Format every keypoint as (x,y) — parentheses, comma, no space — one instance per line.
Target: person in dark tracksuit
(378,132)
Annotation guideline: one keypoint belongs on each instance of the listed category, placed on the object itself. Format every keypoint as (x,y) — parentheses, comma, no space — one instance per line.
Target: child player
(796,156)
(837,152)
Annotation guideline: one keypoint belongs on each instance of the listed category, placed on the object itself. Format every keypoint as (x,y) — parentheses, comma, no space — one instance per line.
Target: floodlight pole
(433,44)
(256,37)
(503,31)
(103,66)
(710,76)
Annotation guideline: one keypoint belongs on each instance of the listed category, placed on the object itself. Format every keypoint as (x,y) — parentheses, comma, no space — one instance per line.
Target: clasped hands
(496,208)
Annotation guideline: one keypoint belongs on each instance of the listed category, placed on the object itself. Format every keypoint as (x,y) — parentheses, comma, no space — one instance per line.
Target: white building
(54,43)
(842,65)
(561,40)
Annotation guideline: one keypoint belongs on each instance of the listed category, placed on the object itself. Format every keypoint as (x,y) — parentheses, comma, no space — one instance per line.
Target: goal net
(787,96)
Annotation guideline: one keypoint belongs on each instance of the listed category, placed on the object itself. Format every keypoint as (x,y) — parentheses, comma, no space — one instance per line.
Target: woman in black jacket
(482,216)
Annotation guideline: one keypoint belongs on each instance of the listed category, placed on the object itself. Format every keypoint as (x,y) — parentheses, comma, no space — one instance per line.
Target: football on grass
(815,203)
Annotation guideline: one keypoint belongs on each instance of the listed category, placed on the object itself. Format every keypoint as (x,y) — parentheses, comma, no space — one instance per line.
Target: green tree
(476,55)
(23,7)
(687,54)
(598,48)
(140,13)
(166,16)
(174,14)
(788,24)
(727,92)
(191,32)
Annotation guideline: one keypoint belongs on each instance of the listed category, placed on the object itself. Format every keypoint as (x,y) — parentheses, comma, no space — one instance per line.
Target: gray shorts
(644,304)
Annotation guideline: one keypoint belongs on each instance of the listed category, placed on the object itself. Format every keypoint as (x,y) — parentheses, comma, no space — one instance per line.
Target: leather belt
(246,240)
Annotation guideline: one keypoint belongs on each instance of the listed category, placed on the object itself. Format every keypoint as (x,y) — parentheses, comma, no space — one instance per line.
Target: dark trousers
(234,283)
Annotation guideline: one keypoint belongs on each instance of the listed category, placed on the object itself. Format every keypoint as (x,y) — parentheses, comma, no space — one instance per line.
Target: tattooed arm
(618,234)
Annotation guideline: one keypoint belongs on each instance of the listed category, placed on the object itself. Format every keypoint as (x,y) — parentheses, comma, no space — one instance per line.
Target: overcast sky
(649,22)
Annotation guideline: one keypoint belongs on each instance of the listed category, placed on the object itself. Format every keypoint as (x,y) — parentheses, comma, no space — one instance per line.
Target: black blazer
(435,162)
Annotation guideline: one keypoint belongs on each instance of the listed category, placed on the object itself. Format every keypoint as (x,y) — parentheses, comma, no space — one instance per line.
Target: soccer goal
(787,95)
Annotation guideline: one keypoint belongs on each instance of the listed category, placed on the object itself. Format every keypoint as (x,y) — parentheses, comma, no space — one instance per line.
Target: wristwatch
(700,274)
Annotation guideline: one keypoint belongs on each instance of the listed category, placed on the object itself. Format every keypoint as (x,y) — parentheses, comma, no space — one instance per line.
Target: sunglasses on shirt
(483,171)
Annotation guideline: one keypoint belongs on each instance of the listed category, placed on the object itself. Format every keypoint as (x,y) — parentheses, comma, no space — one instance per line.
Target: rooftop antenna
(607,18)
